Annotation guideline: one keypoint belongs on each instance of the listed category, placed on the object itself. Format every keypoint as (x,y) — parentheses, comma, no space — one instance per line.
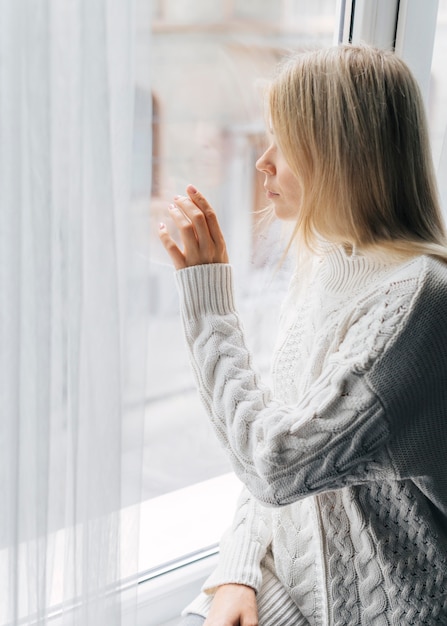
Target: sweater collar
(344,272)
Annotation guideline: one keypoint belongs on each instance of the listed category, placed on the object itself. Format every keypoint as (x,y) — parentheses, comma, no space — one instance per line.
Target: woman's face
(281,185)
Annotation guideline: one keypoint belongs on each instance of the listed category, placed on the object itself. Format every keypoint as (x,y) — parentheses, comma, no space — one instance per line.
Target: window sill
(179,537)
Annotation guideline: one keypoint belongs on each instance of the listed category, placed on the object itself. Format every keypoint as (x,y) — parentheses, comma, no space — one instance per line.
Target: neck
(345,270)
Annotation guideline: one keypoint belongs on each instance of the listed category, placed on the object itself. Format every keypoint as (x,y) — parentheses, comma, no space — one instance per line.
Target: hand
(199,229)
(233,605)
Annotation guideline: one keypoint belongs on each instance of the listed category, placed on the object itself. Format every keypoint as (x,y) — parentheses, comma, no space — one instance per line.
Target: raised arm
(336,434)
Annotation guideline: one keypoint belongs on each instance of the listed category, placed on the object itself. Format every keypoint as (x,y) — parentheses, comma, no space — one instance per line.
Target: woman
(344,516)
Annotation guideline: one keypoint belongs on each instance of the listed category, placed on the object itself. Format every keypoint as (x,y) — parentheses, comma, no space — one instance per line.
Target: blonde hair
(350,122)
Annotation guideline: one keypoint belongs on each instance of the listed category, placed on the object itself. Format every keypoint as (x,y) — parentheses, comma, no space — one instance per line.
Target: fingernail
(192,189)
(171,207)
(162,226)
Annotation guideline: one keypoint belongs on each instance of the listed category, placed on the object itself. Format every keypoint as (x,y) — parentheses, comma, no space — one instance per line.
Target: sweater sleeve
(335,435)
(243,546)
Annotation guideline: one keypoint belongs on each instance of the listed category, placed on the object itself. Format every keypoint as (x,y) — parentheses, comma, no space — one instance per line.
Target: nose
(265,163)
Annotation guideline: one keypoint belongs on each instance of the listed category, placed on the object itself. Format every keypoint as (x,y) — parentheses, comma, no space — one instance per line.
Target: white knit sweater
(344,517)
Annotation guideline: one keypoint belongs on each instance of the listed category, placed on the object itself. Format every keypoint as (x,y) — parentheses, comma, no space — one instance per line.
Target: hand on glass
(199,230)
(233,605)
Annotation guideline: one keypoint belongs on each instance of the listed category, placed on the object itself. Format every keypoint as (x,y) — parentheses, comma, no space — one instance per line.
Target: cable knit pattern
(348,448)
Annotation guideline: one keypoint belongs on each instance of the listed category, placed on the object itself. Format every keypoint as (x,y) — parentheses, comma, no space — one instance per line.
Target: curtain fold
(72,313)
(442,174)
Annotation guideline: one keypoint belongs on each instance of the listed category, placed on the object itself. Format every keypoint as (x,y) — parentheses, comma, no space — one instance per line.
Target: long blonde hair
(350,122)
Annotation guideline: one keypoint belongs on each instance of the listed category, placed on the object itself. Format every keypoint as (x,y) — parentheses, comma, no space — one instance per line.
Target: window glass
(201,67)
(437,102)
(207,66)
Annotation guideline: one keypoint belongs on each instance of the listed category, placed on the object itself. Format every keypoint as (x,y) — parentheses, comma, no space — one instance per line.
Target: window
(437,102)
(208,65)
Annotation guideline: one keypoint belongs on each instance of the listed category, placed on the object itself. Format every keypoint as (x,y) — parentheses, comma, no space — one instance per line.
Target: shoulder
(426,320)
(418,287)
(407,283)
(408,324)
(419,271)
(398,305)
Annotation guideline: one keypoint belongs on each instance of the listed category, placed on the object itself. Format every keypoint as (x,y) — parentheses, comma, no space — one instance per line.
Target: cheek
(292,188)
(293,197)
(288,205)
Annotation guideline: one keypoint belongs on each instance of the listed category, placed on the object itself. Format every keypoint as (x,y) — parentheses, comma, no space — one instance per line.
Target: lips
(271,194)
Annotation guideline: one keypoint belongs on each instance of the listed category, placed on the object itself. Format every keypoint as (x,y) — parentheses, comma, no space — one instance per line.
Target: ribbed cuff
(241,565)
(206,289)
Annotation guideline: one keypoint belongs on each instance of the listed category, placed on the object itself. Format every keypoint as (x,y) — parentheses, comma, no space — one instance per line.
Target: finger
(177,257)
(182,221)
(202,203)
(211,218)
(197,218)
(188,234)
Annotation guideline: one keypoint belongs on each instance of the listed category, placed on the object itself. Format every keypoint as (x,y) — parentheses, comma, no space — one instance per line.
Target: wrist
(240,587)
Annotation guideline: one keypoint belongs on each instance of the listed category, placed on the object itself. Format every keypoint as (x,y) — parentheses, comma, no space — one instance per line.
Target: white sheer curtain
(72,313)
(437,101)
(442,175)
